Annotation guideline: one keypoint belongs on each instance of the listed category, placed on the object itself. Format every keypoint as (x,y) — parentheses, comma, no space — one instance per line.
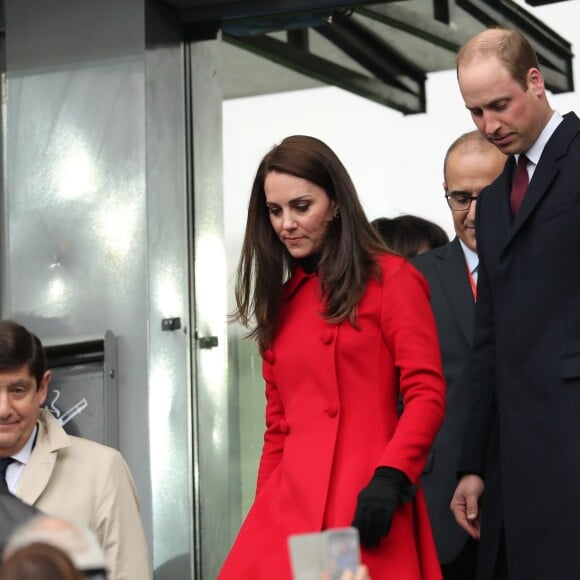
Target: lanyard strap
(472,283)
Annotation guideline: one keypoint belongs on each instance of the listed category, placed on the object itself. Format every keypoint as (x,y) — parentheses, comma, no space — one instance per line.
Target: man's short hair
(510,47)
(19,347)
(470,142)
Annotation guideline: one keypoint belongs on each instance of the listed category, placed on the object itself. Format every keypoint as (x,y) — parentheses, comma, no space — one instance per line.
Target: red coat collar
(299,276)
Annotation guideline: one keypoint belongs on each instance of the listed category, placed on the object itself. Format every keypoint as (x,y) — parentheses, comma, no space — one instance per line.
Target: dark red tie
(520,184)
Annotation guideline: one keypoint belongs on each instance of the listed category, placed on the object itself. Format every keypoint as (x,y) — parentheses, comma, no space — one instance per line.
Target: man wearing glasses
(471,163)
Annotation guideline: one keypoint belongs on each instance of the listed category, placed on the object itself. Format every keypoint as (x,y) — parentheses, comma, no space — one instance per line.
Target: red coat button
(332,410)
(269,356)
(284,427)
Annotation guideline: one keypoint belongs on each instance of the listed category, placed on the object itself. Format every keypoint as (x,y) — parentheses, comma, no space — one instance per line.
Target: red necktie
(472,281)
(520,184)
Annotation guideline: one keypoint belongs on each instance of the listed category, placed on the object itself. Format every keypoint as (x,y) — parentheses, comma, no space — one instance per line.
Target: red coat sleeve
(409,330)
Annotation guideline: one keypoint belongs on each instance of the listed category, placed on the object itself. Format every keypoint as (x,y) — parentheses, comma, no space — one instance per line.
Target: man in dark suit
(521,445)
(471,163)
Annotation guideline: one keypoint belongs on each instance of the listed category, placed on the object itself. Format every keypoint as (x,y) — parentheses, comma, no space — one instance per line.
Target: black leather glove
(377,503)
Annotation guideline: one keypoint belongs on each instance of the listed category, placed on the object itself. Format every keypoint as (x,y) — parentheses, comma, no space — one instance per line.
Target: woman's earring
(336,215)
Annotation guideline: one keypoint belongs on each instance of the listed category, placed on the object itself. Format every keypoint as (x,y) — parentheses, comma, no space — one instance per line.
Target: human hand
(376,505)
(465,504)
(362,573)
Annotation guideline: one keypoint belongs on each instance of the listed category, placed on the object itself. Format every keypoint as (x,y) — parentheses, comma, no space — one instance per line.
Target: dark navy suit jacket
(526,367)
(454,308)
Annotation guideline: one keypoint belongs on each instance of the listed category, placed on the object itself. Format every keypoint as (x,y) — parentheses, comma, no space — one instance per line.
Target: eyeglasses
(460,200)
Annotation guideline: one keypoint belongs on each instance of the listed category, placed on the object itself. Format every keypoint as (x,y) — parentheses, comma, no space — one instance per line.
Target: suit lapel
(545,172)
(538,188)
(452,270)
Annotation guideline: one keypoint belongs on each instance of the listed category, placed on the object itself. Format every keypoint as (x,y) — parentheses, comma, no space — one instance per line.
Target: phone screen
(343,552)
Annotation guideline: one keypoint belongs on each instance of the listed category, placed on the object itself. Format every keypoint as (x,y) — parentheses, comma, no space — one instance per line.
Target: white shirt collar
(471,257)
(535,151)
(14,471)
(24,454)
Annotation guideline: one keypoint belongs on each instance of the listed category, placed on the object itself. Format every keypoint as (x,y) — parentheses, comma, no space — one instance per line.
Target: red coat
(331,419)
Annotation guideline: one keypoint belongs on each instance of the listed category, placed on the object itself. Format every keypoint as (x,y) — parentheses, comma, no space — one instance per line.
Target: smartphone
(342,551)
(332,551)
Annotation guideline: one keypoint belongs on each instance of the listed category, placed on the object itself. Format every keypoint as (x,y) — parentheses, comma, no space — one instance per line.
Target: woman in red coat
(344,326)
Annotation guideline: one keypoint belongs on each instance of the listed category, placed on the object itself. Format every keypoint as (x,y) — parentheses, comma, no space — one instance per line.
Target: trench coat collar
(51,438)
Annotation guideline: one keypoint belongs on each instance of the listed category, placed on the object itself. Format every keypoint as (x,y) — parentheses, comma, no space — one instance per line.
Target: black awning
(378,50)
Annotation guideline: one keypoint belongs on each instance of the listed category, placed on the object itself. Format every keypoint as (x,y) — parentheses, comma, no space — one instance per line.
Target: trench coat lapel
(38,470)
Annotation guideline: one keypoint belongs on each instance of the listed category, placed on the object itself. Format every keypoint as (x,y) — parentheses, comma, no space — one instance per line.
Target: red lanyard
(472,283)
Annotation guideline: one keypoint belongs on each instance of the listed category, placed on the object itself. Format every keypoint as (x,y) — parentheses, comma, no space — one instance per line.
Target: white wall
(395,160)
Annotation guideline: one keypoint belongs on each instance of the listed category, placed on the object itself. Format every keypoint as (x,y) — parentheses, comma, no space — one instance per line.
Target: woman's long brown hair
(349,250)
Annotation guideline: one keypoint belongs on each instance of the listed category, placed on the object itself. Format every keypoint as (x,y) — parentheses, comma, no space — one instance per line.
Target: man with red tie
(471,163)
(520,451)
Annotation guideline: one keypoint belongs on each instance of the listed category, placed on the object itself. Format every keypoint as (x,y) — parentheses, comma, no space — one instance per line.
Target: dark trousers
(464,566)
